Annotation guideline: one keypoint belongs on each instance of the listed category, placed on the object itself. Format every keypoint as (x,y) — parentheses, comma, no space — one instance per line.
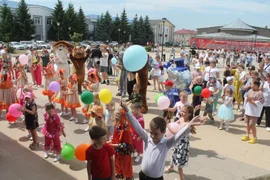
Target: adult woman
(211,72)
(239,75)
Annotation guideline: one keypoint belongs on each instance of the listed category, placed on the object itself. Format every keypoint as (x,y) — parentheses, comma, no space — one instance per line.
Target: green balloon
(198,90)
(158,96)
(68,151)
(87,97)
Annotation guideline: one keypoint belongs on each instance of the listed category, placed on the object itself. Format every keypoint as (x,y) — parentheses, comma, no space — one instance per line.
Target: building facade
(182,37)
(157,26)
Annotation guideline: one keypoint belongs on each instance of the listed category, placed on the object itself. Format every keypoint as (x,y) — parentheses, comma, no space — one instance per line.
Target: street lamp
(124,38)
(119,35)
(163,21)
(69,28)
(58,24)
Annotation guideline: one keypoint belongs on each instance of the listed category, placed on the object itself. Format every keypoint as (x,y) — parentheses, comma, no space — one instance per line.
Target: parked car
(16,45)
(43,44)
(114,43)
(27,44)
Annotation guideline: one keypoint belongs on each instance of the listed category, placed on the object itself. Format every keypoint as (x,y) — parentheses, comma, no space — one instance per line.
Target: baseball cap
(168,83)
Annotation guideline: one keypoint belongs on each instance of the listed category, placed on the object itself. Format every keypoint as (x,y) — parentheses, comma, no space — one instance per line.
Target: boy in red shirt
(100,156)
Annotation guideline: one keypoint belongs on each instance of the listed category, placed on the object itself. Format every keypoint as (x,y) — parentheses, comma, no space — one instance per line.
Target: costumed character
(94,59)
(78,59)
(142,79)
(62,48)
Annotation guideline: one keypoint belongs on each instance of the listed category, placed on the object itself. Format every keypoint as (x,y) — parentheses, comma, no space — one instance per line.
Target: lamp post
(119,35)
(163,21)
(124,37)
(58,24)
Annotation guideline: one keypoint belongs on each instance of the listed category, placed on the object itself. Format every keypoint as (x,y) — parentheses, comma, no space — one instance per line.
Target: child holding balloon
(72,97)
(48,72)
(209,105)
(22,77)
(197,89)
(52,131)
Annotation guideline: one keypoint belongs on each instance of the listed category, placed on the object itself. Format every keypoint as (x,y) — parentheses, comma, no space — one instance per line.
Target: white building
(182,37)
(157,26)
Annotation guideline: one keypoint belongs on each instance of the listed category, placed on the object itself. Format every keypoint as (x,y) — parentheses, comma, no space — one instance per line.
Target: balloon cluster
(162,101)
(181,80)
(14,111)
(69,151)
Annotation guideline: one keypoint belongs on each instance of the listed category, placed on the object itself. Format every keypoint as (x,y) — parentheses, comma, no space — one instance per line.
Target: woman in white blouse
(211,71)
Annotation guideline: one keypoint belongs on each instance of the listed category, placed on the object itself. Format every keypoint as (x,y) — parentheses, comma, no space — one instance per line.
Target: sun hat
(229,78)
(28,95)
(97,110)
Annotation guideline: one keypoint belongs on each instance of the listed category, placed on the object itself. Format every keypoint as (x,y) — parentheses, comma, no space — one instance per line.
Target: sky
(188,14)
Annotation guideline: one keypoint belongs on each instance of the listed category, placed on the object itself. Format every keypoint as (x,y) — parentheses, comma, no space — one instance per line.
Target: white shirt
(2,52)
(179,105)
(266,94)
(227,86)
(104,60)
(266,69)
(210,72)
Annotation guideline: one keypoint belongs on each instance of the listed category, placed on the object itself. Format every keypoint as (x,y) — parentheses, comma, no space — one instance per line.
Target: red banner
(249,46)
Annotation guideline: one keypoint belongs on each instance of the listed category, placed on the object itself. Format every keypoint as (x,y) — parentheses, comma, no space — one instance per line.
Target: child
(16,66)
(136,97)
(197,99)
(254,105)
(168,115)
(48,72)
(225,112)
(97,114)
(156,71)
(137,141)
(100,156)
(180,155)
(72,99)
(229,84)
(226,74)
(156,144)
(31,119)
(52,131)
(122,142)
(180,104)
(109,119)
(22,77)
(60,97)
(36,66)
(161,78)
(209,106)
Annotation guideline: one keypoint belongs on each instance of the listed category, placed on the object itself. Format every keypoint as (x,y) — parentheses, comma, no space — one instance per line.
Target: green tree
(70,22)
(57,17)
(25,27)
(77,37)
(81,24)
(100,34)
(116,26)
(135,30)
(7,24)
(142,35)
(124,27)
(108,26)
(149,33)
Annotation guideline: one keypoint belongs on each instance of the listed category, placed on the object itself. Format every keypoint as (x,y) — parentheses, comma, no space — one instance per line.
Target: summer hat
(229,78)
(97,110)
(28,95)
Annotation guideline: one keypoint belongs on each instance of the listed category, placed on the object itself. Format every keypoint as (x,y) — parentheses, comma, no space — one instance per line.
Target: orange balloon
(80,151)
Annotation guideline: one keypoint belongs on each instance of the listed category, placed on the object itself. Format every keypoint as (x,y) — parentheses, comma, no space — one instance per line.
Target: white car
(43,44)
(16,45)
(27,44)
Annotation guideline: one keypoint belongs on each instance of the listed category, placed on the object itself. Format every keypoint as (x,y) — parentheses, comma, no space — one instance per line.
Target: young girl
(180,155)
(36,66)
(109,117)
(137,141)
(161,78)
(60,97)
(209,106)
(52,131)
(72,98)
(16,67)
(225,111)
(22,77)
(97,114)
(156,71)
(31,119)
(48,72)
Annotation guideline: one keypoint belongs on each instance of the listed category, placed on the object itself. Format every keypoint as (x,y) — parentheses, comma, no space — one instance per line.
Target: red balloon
(206,93)
(10,118)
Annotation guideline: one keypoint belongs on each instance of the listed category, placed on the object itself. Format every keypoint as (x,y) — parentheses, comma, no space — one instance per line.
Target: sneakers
(227,129)
(138,158)
(118,94)
(27,136)
(84,121)
(220,127)
(87,128)
(64,114)
(104,82)
(212,121)
(108,82)
(46,155)
(57,158)
(268,129)
(76,120)
(253,141)
(245,138)
(72,118)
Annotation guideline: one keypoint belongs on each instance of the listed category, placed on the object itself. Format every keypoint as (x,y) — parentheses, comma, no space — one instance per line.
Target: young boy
(100,156)
(167,115)
(135,97)
(197,99)
(156,145)
(254,105)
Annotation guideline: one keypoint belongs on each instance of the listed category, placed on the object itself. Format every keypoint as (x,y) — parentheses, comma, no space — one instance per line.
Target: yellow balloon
(105,96)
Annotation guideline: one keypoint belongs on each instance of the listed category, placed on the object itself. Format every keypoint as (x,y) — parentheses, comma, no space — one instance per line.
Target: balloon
(206,93)
(175,126)
(114,60)
(13,110)
(11,118)
(80,151)
(54,86)
(198,90)
(158,96)
(87,97)
(163,102)
(68,151)
(105,96)
(23,59)
(19,93)
(135,58)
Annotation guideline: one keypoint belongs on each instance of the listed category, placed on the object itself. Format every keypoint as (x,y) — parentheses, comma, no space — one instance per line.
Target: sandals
(33,146)
(169,170)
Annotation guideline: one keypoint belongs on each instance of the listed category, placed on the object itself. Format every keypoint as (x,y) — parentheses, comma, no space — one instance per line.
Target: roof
(185,31)
(158,21)
(14,4)
(223,35)
(238,25)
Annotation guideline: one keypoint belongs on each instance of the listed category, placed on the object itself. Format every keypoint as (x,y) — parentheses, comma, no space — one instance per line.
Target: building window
(49,21)
(37,20)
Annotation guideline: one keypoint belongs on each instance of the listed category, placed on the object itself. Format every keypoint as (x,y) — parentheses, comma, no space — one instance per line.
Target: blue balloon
(114,60)
(135,58)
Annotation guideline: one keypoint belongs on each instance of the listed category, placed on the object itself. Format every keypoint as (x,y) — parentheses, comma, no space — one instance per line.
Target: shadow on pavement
(74,165)
(194,152)
(194,177)
(17,162)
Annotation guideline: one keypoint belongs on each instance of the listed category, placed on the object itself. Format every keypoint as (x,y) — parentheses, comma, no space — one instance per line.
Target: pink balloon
(175,126)
(54,86)
(23,59)
(163,102)
(13,110)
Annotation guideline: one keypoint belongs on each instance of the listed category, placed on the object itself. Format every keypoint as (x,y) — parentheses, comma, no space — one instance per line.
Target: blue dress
(225,111)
